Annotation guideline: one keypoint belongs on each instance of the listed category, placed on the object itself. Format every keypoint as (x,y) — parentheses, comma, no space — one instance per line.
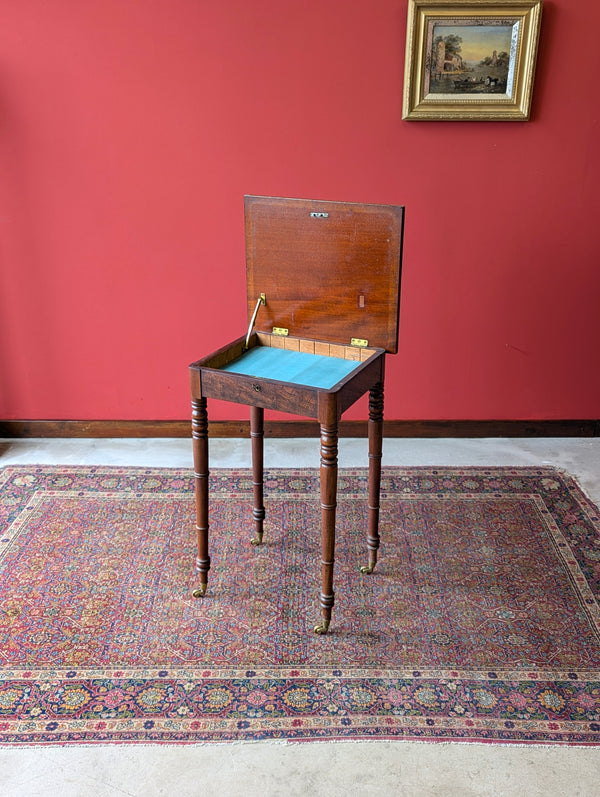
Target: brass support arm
(262,299)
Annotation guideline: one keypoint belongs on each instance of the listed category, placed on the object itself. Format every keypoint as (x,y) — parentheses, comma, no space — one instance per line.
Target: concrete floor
(405,769)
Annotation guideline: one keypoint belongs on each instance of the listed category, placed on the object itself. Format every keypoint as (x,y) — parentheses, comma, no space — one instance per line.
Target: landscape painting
(470,59)
(471,56)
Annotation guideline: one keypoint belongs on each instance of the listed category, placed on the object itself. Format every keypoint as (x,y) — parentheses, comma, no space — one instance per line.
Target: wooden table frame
(327,406)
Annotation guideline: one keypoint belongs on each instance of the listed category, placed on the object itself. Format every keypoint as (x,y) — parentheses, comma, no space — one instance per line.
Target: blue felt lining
(298,367)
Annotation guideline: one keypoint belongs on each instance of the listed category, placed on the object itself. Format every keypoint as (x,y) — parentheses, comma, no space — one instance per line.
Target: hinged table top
(329,270)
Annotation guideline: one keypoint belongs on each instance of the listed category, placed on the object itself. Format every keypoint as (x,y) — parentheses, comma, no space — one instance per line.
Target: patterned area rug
(480,623)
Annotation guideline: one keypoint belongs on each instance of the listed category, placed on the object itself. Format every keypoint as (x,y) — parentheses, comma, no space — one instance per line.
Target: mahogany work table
(323,289)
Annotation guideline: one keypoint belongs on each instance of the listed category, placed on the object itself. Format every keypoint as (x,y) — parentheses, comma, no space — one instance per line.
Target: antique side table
(323,289)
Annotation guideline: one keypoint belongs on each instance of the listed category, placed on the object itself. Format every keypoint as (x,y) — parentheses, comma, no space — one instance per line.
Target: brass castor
(367,568)
(322,627)
(258,539)
(200,592)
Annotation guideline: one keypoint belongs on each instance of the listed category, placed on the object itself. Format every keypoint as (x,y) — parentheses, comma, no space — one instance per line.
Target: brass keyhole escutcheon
(257,388)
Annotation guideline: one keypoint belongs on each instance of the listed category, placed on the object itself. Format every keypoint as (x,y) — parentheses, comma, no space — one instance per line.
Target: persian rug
(480,623)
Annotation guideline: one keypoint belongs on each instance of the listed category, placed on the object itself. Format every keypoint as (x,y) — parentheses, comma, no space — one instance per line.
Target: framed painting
(473,59)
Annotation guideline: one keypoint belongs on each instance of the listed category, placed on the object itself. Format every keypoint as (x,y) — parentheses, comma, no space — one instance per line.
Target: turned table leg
(257,435)
(200,450)
(375,450)
(328,474)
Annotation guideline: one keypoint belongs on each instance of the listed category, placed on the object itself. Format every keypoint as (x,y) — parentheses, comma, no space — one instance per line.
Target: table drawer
(265,393)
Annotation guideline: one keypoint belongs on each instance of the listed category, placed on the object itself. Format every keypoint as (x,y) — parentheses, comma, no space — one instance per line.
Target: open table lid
(329,270)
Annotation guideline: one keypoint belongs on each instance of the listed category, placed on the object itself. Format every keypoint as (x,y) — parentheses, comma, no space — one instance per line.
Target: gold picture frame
(470,60)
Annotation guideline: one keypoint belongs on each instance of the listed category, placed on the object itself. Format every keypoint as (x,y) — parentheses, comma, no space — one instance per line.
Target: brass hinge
(360,342)
(281,331)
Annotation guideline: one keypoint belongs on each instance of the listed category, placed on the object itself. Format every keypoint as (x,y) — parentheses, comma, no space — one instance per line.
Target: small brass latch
(262,299)
(360,342)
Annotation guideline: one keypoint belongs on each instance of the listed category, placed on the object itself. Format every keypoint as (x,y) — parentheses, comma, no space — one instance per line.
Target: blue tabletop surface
(298,367)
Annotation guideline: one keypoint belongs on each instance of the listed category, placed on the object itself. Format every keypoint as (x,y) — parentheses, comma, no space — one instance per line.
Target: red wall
(130,130)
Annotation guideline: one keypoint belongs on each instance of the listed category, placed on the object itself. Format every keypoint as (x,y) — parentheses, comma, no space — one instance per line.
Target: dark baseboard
(392,428)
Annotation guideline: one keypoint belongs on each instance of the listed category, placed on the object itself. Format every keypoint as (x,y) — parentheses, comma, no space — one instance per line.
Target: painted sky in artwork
(478,41)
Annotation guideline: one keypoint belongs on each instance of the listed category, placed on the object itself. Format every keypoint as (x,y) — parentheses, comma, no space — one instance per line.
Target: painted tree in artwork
(453,44)
(496,59)
(447,53)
